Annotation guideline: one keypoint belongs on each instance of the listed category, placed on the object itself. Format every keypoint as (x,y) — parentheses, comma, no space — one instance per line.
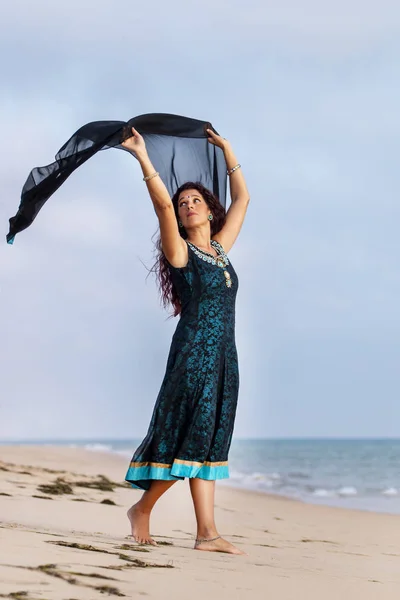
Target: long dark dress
(193,419)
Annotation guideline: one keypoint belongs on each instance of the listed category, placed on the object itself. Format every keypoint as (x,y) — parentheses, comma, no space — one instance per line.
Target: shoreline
(76,543)
(99,448)
(112,459)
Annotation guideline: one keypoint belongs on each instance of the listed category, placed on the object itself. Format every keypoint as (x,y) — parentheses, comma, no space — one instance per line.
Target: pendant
(228,279)
(221,260)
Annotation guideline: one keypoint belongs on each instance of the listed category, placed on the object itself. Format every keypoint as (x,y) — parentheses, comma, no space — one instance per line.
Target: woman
(192,423)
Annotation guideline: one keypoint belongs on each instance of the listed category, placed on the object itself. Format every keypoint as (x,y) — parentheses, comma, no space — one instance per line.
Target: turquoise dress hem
(175,472)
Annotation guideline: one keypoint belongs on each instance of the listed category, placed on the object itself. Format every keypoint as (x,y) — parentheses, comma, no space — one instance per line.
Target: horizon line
(124,439)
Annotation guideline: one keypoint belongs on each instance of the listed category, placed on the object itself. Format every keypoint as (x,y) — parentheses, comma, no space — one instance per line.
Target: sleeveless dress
(191,427)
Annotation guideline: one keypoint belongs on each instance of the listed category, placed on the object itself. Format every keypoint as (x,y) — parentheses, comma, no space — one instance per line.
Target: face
(192,209)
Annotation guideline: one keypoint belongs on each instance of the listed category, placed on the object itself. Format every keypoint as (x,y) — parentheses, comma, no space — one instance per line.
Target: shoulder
(180,258)
(218,243)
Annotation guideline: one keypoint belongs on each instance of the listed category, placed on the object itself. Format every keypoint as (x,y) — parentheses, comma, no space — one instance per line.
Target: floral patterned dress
(191,428)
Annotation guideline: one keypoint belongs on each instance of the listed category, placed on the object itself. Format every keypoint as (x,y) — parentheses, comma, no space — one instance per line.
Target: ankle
(141,507)
(206,532)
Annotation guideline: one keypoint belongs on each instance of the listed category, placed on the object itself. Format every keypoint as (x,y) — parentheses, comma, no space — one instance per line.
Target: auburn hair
(167,290)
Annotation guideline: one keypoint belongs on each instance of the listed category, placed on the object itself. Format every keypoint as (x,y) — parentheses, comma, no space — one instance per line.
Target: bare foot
(218,545)
(140,521)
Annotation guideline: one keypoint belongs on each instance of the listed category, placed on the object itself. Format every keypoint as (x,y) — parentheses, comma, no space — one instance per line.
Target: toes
(144,540)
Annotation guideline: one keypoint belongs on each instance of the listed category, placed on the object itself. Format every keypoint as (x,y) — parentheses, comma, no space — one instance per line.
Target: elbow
(242,200)
(163,205)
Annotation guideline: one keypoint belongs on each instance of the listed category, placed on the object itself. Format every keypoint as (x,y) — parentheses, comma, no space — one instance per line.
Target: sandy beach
(64,536)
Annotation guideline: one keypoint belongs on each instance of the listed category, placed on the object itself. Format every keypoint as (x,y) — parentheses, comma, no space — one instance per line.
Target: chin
(194,221)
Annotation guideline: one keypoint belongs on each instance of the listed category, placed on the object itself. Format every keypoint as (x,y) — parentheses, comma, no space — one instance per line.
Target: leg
(203,494)
(139,513)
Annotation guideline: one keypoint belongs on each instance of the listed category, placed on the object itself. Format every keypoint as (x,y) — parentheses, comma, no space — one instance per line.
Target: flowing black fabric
(177,146)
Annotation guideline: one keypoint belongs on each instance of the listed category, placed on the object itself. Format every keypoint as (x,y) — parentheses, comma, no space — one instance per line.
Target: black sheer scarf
(177,147)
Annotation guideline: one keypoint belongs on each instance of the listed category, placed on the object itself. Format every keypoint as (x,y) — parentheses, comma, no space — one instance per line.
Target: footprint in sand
(307,540)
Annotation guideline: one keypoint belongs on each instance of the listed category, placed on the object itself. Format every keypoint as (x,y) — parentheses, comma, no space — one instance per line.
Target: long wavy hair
(167,290)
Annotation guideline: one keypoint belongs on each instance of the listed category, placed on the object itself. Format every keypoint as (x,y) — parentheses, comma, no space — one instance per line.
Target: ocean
(351,473)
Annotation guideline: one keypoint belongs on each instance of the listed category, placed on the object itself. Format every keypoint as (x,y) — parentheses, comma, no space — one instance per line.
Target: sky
(308,94)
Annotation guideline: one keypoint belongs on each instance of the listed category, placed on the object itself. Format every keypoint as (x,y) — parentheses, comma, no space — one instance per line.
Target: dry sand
(71,546)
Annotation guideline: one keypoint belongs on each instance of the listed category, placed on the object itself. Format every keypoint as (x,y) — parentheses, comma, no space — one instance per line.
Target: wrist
(229,155)
(142,156)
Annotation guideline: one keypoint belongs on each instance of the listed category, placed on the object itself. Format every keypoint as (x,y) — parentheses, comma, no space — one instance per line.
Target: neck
(201,239)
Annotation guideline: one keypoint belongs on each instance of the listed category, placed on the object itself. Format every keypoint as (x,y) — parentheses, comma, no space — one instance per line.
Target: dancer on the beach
(193,419)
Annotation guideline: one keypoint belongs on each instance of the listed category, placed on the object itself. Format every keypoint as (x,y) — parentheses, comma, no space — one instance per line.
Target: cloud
(115,27)
(306,92)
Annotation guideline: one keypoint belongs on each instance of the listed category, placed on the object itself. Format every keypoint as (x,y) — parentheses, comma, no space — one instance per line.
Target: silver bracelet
(230,171)
(151,176)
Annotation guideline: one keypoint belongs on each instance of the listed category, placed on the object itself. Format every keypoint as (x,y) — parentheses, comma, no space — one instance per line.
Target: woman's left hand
(216,140)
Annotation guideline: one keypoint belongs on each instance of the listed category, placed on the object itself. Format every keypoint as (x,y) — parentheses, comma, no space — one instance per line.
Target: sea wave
(300,477)
(347,491)
(322,493)
(99,447)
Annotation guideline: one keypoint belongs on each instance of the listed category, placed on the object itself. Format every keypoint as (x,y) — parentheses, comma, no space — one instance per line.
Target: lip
(191,214)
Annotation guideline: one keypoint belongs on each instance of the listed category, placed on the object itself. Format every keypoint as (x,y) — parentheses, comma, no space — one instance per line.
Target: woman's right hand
(135,143)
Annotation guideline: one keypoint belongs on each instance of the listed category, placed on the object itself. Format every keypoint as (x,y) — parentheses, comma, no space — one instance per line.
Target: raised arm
(240,197)
(174,247)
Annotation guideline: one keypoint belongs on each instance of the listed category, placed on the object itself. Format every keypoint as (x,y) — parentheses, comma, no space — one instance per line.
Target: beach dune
(64,535)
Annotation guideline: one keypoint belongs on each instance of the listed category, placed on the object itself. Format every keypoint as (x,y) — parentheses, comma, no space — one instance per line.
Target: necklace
(221,260)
